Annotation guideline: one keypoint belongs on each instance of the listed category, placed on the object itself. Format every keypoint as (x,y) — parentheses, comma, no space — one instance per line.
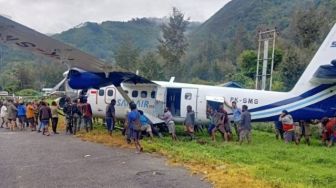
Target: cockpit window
(101,92)
(135,94)
(143,94)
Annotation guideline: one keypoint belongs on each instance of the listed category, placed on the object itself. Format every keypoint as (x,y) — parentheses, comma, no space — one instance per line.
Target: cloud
(53,16)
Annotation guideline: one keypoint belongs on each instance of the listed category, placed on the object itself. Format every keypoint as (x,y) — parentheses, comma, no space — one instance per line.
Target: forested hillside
(221,42)
(103,40)
(222,48)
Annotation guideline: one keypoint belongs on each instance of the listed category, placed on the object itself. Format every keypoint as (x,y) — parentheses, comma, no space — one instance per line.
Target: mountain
(247,17)
(103,40)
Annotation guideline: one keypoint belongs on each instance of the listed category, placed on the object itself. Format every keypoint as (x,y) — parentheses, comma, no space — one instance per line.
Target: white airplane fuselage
(153,98)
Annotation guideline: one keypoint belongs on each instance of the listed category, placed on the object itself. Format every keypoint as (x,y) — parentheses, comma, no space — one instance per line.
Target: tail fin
(320,70)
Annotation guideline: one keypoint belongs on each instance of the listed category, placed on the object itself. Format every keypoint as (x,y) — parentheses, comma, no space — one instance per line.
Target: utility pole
(266,39)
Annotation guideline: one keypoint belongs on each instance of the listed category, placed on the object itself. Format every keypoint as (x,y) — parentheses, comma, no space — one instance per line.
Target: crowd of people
(38,115)
(289,131)
(241,122)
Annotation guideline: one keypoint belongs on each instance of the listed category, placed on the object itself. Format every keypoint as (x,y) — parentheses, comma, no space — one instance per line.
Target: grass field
(267,162)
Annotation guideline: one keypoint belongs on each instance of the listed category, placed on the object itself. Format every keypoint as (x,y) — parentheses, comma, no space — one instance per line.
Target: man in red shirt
(328,131)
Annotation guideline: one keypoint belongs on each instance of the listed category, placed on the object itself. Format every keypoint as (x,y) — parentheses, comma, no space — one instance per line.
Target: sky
(54,16)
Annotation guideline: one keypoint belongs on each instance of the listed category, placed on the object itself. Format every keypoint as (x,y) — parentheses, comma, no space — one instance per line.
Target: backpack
(137,123)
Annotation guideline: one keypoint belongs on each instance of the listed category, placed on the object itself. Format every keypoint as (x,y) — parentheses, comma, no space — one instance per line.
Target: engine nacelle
(87,80)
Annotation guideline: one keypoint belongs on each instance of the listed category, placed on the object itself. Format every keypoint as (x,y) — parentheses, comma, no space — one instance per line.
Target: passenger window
(101,92)
(188,96)
(143,94)
(110,93)
(134,93)
(153,94)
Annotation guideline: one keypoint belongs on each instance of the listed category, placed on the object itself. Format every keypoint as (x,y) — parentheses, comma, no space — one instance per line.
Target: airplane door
(160,100)
(188,97)
(110,93)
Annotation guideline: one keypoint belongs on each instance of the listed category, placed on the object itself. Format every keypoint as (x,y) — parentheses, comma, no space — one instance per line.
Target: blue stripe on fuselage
(324,108)
(294,99)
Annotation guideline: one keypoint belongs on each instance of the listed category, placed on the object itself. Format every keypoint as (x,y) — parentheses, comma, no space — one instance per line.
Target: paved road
(28,159)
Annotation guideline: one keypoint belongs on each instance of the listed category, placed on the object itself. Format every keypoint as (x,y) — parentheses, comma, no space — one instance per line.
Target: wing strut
(124,94)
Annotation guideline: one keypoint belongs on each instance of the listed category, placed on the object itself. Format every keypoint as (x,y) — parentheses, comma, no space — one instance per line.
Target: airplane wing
(99,73)
(19,36)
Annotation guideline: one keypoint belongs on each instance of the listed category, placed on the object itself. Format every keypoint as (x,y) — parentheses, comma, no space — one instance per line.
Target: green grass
(266,158)
(266,162)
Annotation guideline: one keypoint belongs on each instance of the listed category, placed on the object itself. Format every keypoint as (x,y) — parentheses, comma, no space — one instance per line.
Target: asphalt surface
(29,159)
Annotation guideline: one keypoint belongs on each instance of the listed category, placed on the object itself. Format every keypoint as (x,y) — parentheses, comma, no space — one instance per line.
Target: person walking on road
(87,115)
(45,116)
(54,114)
(22,115)
(135,126)
(30,114)
(4,115)
(12,112)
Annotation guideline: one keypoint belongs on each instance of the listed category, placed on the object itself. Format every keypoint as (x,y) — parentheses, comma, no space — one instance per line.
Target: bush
(27,92)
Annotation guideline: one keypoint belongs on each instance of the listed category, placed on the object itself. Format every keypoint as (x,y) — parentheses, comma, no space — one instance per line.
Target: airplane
(313,96)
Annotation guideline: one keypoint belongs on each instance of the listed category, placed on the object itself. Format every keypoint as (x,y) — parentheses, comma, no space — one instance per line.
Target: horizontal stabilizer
(325,74)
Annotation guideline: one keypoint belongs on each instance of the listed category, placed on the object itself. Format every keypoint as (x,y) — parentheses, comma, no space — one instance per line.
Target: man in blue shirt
(133,122)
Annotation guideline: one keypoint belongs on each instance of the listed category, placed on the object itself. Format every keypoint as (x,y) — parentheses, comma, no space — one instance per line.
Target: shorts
(227,128)
(223,128)
(189,128)
(171,127)
(134,134)
(31,120)
(146,128)
(11,119)
(44,123)
(211,127)
(289,136)
(244,134)
(22,119)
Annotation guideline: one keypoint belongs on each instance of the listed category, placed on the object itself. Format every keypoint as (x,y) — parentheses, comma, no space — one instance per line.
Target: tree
(240,42)
(247,62)
(173,43)
(150,68)
(209,50)
(127,55)
(291,68)
(307,26)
